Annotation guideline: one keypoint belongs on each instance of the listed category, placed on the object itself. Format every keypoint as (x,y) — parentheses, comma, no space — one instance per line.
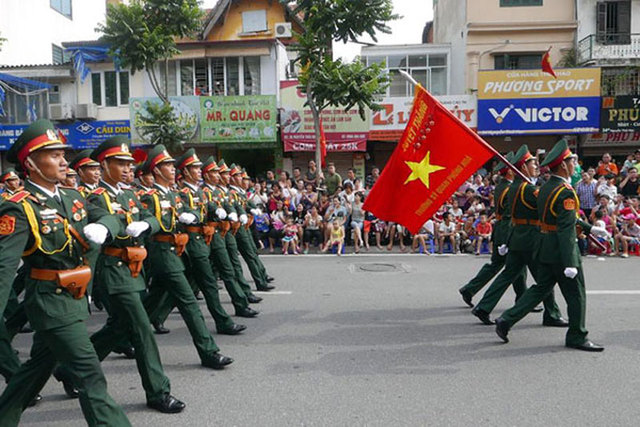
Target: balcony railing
(613,48)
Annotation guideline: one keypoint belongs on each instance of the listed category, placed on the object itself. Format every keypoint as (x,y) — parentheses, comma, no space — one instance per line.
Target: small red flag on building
(546,64)
(323,146)
(436,154)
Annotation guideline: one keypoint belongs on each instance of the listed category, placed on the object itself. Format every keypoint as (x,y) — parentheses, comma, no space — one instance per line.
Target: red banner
(302,144)
(436,154)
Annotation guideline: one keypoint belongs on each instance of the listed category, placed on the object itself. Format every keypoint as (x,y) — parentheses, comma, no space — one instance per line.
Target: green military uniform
(167,269)
(80,160)
(219,256)
(128,322)
(196,256)
(522,241)
(499,237)
(40,223)
(557,254)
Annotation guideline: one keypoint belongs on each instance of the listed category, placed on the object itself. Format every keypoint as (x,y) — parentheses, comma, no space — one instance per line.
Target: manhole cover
(377,267)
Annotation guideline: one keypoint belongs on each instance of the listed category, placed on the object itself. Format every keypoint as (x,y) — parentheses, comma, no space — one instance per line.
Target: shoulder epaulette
(151,192)
(185,190)
(19,196)
(81,188)
(568,186)
(98,191)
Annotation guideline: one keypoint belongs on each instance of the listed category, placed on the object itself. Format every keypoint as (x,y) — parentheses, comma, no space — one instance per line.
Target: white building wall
(268,74)
(32,26)
(586,10)
(449,20)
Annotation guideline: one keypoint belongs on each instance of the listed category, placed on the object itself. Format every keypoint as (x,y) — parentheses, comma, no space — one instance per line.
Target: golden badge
(45,229)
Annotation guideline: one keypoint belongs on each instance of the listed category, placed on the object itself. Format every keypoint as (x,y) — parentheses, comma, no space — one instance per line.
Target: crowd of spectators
(299,213)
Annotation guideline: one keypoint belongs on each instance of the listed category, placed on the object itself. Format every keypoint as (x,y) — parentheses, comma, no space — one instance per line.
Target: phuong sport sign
(533,102)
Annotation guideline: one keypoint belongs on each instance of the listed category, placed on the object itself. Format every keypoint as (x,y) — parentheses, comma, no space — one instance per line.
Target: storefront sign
(610,139)
(344,130)
(533,102)
(389,123)
(185,108)
(620,113)
(80,135)
(227,119)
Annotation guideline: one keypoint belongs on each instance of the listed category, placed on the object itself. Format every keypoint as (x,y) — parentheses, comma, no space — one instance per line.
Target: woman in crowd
(309,197)
(299,216)
(357,220)
(278,221)
(312,228)
(258,196)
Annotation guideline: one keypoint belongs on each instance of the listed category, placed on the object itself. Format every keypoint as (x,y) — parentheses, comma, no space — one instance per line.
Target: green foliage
(569,59)
(159,125)
(2,40)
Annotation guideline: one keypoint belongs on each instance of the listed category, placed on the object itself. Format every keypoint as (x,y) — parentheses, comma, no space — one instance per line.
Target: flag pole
(515,170)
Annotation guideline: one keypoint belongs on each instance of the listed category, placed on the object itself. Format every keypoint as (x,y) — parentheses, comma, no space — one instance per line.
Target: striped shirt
(586,194)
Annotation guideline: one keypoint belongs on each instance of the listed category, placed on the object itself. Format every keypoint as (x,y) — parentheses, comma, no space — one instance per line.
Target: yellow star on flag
(421,170)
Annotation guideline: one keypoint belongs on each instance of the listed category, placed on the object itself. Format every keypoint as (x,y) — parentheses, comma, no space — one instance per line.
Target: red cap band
(37,142)
(561,158)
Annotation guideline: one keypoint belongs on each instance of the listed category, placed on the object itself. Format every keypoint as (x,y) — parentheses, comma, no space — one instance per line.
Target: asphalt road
(338,345)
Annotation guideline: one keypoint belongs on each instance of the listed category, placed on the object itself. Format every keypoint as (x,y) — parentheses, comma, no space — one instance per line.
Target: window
(254,21)
(57,54)
(19,109)
(54,94)
(517,61)
(186,78)
(509,3)
(109,88)
(251,75)
(613,22)
(430,70)
(62,6)
(233,77)
(217,76)
(202,77)
(170,85)
(620,81)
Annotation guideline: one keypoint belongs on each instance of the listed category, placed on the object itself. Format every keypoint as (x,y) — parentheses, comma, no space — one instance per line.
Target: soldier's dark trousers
(250,256)
(516,264)
(68,345)
(486,273)
(232,250)
(177,286)
(9,362)
(573,291)
(200,273)
(221,263)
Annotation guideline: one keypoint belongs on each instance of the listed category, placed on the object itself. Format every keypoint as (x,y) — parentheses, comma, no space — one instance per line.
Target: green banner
(238,119)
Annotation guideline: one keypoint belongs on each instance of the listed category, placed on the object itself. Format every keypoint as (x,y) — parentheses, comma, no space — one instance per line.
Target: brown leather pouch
(74,281)
(208,231)
(249,222)
(180,240)
(235,227)
(134,257)
(225,226)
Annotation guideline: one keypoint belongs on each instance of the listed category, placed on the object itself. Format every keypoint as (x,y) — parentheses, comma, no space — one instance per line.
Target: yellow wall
(228,28)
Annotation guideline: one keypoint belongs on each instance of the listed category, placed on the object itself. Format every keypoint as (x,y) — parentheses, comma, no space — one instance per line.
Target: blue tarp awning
(23,83)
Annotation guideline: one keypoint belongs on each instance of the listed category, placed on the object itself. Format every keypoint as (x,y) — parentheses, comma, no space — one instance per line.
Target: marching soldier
(219,258)
(522,240)
(88,171)
(50,224)
(11,182)
(165,249)
(558,254)
(196,256)
(70,180)
(235,223)
(118,270)
(499,237)
(246,246)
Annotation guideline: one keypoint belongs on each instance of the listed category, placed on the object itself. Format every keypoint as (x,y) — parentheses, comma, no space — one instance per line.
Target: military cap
(83,158)
(189,158)
(9,174)
(501,167)
(559,153)
(158,154)
(71,172)
(245,175)
(209,164)
(139,170)
(40,135)
(522,156)
(235,170)
(117,147)
(222,167)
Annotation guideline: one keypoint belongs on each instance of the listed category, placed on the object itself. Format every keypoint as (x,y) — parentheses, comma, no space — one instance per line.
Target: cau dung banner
(246,119)
(533,102)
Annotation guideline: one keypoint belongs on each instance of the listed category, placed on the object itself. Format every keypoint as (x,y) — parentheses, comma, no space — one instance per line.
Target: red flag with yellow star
(436,154)
(546,64)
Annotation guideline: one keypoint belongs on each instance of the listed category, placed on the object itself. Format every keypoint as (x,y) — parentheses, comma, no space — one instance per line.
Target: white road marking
(613,292)
(264,292)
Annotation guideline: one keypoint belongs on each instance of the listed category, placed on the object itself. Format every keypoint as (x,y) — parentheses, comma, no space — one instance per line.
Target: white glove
(244,219)
(570,272)
(600,232)
(136,228)
(221,213)
(503,250)
(97,233)
(233,217)
(255,211)
(187,218)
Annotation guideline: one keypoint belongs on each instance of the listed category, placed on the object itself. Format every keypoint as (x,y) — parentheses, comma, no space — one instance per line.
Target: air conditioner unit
(60,112)
(283,29)
(87,111)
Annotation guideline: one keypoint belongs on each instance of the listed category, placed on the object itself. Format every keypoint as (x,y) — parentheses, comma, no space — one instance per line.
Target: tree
(143,33)
(328,82)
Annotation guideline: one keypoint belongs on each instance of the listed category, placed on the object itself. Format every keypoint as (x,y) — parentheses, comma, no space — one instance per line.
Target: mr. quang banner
(533,102)
(227,119)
